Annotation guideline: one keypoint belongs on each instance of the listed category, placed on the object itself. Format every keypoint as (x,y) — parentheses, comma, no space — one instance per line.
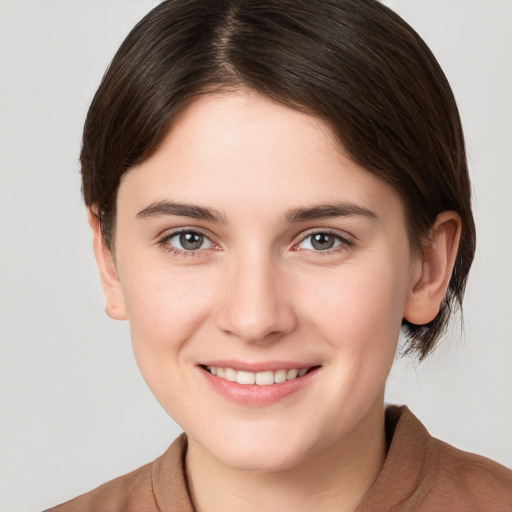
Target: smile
(264,378)
(265,385)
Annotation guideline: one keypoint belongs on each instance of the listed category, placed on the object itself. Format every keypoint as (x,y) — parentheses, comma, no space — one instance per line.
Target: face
(250,247)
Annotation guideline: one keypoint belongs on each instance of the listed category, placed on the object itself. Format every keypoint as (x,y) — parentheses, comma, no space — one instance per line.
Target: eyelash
(344,243)
(183,252)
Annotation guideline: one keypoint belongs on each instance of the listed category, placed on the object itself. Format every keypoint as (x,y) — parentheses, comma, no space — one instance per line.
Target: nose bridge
(255,307)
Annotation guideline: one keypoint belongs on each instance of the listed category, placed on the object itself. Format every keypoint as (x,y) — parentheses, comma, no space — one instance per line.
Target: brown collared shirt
(420,474)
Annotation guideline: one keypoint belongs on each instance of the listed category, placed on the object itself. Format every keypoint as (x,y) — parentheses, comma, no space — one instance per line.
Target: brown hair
(353,63)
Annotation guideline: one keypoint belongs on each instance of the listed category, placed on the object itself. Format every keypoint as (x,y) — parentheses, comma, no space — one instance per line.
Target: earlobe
(429,284)
(114,298)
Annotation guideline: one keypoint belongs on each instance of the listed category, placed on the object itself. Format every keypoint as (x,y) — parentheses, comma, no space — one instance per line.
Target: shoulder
(452,479)
(466,478)
(423,474)
(130,492)
(156,487)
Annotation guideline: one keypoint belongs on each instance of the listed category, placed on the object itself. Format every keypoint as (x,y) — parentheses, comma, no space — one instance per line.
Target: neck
(336,478)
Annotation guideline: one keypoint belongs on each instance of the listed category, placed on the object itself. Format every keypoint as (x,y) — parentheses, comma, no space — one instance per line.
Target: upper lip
(259,366)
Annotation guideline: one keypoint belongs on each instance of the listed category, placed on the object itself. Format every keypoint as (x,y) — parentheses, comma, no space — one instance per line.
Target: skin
(257,292)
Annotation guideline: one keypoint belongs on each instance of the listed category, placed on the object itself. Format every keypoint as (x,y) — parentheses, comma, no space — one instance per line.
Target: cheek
(360,316)
(363,303)
(165,309)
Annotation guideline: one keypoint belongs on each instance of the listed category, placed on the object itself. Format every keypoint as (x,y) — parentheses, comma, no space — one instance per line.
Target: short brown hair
(353,63)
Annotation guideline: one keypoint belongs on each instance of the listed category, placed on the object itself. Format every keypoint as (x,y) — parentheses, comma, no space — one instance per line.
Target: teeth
(280,376)
(244,377)
(265,378)
(291,374)
(230,374)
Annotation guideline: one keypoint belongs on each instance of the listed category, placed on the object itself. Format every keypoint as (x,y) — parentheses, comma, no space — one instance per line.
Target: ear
(114,298)
(430,282)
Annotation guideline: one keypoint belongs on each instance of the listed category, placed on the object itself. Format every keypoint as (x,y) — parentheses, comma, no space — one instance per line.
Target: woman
(276,190)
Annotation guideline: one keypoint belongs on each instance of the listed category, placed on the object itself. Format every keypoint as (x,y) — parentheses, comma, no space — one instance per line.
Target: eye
(322,241)
(187,241)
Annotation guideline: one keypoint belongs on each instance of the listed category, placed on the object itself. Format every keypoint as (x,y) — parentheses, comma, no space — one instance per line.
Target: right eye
(321,242)
(186,241)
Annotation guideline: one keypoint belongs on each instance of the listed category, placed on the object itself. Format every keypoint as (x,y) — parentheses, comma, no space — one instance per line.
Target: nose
(256,307)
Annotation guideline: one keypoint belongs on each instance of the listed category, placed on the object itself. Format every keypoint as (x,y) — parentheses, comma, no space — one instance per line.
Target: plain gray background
(74,411)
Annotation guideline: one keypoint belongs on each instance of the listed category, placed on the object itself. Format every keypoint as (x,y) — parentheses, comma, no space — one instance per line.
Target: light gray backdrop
(74,411)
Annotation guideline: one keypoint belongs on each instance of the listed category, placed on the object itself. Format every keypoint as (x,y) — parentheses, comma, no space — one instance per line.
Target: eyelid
(347,240)
(171,233)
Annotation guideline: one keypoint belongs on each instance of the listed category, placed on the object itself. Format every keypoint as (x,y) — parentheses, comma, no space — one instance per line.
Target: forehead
(240,149)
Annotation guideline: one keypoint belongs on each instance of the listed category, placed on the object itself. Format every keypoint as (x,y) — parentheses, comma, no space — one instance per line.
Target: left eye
(188,241)
(320,242)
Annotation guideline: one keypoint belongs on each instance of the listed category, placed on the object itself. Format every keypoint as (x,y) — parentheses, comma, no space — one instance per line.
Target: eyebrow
(323,211)
(162,208)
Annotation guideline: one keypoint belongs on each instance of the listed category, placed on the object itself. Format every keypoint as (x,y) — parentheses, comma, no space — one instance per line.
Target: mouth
(262,378)
(263,387)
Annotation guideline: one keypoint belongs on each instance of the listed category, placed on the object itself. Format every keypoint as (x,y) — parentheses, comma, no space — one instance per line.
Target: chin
(259,459)
(263,451)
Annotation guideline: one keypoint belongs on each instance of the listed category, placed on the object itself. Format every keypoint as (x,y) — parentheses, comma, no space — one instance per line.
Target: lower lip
(256,395)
